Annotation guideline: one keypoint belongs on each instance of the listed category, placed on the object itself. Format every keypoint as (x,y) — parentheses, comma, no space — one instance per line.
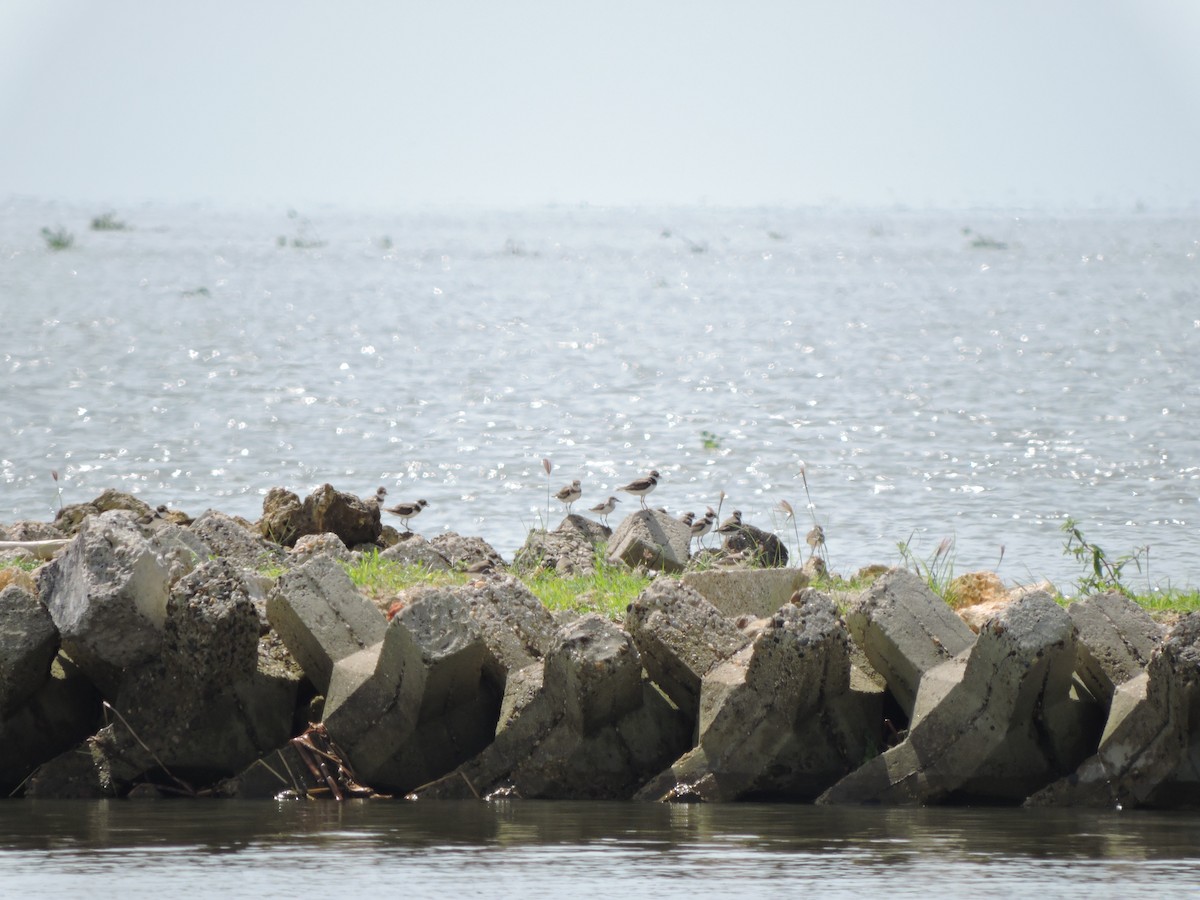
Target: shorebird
(640,487)
(704,525)
(603,509)
(406,511)
(732,525)
(569,494)
(687,518)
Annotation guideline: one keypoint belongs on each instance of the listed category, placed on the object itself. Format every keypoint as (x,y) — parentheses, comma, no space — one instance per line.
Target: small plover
(640,487)
(406,511)
(732,525)
(569,494)
(603,509)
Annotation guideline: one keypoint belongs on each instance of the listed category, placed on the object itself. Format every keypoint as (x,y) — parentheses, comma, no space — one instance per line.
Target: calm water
(930,388)
(528,849)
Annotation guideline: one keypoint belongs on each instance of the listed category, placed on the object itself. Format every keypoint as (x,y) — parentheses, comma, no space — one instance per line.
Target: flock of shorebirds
(639,487)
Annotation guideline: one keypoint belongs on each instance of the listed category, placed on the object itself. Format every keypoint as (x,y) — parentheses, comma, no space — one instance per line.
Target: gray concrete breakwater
(151,656)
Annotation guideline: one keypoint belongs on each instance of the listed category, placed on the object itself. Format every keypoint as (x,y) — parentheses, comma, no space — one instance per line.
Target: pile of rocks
(153,655)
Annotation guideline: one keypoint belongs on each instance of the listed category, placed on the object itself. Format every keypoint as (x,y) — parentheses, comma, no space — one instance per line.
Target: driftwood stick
(40,549)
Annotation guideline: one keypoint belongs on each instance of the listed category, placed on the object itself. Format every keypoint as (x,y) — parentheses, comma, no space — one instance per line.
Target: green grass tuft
(608,591)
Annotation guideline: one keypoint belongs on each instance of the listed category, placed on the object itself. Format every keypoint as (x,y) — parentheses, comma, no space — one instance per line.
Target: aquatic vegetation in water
(58,238)
(108,222)
(305,238)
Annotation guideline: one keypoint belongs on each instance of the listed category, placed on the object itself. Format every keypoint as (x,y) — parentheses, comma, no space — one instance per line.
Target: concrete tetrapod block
(584,725)
(986,737)
(755,592)
(680,636)
(28,645)
(777,718)
(107,594)
(214,702)
(417,704)
(515,624)
(322,618)
(1116,638)
(905,629)
(1150,747)
(651,539)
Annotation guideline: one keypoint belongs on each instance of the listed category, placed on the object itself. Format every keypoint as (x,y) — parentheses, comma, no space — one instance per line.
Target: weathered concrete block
(651,539)
(516,626)
(586,727)
(28,645)
(763,726)
(1147,754)
(986,737)
(322,617)
(593,673)
(385,702)
(107,594)
(905,629)
(680,636)
(754,592)
(213,702)
(211,631)
(1116,639)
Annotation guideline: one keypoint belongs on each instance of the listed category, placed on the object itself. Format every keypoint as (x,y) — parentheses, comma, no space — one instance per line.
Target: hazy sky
(391,104)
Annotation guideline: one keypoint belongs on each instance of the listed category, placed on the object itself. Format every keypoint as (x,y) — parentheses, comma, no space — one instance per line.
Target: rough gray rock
(322,618)
(230,540)
(651,539)
(311,545)
(353,519)
(760,548)
(413,550)
(905,629)
(567,551)
(69,519)
(466,553)
(986,736)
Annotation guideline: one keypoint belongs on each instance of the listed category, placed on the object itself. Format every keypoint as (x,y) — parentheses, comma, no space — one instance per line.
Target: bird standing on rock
(640,487)
(406,511)
(569,494)
(687,518)
(702,526)
(603,509)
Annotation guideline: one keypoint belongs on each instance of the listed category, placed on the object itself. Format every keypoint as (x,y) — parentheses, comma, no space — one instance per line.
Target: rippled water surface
(532,849)
(975,376)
